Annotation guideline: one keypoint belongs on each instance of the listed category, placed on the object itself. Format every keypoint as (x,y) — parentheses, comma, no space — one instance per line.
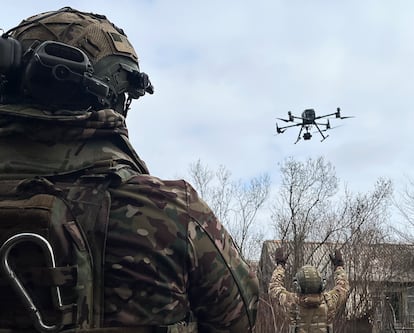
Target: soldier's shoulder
(178,193)
(155,187)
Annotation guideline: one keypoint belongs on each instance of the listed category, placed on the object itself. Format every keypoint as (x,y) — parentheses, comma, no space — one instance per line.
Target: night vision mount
(49,72)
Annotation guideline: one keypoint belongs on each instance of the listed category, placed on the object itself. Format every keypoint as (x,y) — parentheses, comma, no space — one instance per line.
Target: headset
(52,73)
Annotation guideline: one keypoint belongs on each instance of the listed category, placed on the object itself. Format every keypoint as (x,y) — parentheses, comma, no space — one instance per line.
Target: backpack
(52,241)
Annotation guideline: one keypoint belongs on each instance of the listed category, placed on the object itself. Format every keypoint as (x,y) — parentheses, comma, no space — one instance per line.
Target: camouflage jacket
(309,313)
(168,259)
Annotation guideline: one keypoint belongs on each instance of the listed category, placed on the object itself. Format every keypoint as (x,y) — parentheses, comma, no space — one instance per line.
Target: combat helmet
(308,280)
(73,60)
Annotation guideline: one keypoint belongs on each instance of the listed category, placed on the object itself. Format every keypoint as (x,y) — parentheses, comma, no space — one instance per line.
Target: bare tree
(302,205)
(363,237)
(247,201)
(405,206)
(201,176)
(235,203)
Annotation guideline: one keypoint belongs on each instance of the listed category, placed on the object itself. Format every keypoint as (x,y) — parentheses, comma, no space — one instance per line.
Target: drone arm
(292,117)
(327,115)
(285,127)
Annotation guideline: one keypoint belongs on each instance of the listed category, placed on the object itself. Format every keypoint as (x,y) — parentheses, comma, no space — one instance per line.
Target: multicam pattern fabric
(168,260)
(63,142)
(309,313)
(35,219)
(168,256)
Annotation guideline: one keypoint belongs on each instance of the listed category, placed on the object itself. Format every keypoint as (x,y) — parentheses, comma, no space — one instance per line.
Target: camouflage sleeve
(224,290)
(285,299)
(336,297)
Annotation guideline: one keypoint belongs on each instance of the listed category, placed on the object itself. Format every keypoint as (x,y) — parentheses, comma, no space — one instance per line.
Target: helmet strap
(127,106)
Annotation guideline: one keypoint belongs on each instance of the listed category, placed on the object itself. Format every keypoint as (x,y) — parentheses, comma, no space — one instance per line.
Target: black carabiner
(18,286)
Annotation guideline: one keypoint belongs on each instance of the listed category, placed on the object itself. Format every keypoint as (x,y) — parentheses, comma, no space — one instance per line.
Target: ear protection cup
(59,74)
(10,54)
(323,285)
(296,286)
(49,59)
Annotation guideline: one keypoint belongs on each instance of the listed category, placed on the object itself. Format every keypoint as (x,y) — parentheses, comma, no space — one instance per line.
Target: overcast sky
(223,72)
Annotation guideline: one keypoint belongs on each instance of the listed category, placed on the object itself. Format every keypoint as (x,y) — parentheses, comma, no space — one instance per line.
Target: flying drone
(307,120)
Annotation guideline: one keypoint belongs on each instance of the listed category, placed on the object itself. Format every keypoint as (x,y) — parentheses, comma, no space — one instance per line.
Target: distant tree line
(235,203)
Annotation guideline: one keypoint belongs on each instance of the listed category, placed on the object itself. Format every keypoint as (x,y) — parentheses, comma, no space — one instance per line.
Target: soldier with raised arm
(310,308)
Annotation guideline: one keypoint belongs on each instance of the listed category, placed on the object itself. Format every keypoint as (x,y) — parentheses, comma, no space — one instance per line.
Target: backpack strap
(35,211)
(90,203)
(181,327)
(176,328)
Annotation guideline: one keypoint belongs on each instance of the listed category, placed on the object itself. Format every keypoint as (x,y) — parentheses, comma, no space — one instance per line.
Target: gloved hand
(336,259)
(281,256)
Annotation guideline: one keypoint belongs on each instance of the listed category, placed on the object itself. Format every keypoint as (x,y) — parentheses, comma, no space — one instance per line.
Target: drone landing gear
(299,135)
(307,135)
(320,132)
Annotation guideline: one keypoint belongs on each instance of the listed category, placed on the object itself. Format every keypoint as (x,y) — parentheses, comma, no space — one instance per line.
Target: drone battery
(10,54)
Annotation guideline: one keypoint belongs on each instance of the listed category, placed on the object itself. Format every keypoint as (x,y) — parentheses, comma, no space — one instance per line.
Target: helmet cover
(309,280)
(112,57)
(92,33)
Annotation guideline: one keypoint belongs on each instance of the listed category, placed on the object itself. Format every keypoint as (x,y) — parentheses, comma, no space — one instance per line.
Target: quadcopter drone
(307,120)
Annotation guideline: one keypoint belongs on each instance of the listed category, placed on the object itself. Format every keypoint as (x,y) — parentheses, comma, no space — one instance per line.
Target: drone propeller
(338,114)
(279,130)
(285,120)
(329,128)
(291,117)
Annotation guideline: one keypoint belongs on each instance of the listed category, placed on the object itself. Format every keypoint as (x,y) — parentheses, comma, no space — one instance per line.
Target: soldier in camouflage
(310,309)
(170,266)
